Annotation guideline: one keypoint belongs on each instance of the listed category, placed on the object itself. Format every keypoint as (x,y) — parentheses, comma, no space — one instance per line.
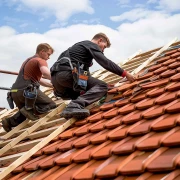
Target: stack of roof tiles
(136,135)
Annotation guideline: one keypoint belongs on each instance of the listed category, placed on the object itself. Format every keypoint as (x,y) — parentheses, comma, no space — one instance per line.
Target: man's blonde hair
(44,46)
(103,36)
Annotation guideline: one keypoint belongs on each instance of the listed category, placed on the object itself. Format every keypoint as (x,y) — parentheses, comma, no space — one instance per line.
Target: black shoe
(29,114)
(6,125)
(75,112)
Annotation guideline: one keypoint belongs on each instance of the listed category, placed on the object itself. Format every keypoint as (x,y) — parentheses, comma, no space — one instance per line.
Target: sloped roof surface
(135,135)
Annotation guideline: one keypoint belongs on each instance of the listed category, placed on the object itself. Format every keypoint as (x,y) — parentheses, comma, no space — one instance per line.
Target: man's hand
(130,77)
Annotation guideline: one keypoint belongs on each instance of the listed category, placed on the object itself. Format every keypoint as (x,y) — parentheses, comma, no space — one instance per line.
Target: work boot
(6,125)
(76,112)
(29,114)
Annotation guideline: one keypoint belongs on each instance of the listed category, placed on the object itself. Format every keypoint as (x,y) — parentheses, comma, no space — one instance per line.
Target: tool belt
(30,94)
(80,76)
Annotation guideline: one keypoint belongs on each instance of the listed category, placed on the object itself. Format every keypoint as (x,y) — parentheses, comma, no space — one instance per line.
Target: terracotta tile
(52,148)
(171,52)
(113,91)
(132,117)
(68,171)
(95,110)
(125,87)
(175,175)
(65,158)
(173,106)
(118,133)
(155,84)
(122,102)
(134,163)
(150,141)
(56,173)
(140,128)
(114,122)
(20,168)
(138,98)
(111,113)
(146,76)
(175,55)
(66,145)
(125,146)
(166,98)
(172,138)
(168,73)
(83,141)
(145,104)
(99,126)
(178,69)
(81,122)
(163,59)
(126,178)
(163,160)
(84,155)
(19,176)
(154,67)
(161,70)
(174,65)
(127,108)
(128,93)
(104,150)
(101,137)
(38,153)
(155,92)
(117,97)
(173,86)
(95,117)
(107,106)
(49,161)
(154,176)
(109,167)
(47,173)
(164,122)
(153,112)
(86,171)
(168,62)
(68,133)
(176,77)
(83,130)
(33,164)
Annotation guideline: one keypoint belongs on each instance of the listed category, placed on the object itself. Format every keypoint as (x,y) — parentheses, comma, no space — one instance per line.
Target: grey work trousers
(42,105)
(63,84)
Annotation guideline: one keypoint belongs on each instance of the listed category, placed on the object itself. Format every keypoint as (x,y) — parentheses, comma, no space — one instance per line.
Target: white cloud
(169,5)
(137,14)
(62,9)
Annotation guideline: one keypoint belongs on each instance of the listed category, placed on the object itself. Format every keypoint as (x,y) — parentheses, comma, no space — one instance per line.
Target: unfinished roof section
(135,135)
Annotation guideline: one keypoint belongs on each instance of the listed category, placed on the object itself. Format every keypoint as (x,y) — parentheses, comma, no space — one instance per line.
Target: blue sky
(132,26)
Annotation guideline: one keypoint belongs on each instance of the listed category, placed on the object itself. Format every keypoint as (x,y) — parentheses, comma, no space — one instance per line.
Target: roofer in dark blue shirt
(70,75)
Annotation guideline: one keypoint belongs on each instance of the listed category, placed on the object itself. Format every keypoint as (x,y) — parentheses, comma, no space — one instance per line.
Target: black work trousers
(42,105)
(63,84)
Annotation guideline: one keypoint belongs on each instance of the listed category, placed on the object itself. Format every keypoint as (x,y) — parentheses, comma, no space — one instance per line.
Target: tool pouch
(80,78)
(10,100)
(30,94)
